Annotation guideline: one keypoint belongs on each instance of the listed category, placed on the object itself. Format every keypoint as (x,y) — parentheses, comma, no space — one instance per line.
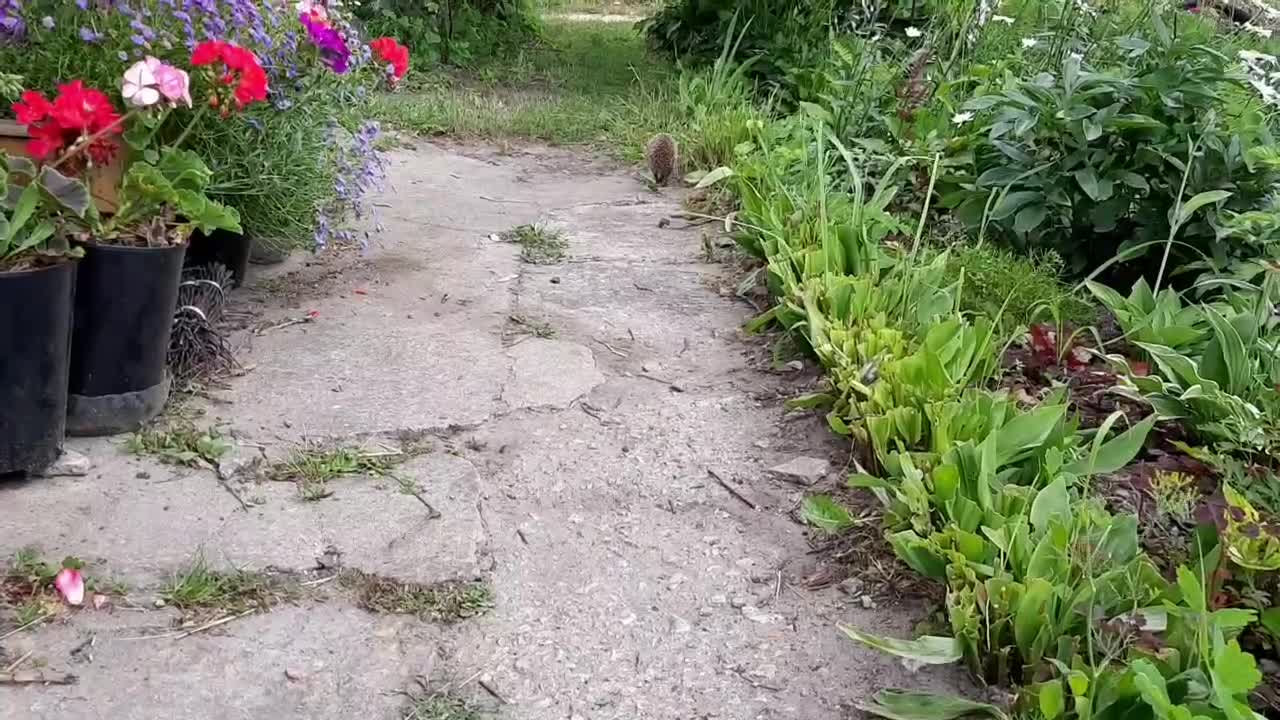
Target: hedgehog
(661,154)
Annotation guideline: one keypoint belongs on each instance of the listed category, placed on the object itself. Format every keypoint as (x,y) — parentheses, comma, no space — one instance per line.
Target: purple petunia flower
(333,49)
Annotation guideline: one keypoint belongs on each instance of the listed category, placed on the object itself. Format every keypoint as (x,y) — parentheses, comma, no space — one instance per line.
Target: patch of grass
(536,328)
(1031,285)
(181,444)
(583,82)
(201,587)
(311,468)
(539,245)
(441,707)
(447,602)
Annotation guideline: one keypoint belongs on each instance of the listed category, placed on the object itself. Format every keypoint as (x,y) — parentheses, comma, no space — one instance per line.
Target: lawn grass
(584,82)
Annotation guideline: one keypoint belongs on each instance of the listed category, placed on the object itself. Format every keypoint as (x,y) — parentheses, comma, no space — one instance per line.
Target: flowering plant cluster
(76,114)
(270,71)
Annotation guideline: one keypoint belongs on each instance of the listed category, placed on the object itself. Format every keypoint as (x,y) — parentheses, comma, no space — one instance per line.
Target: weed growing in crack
(441,707)
(311,468)
(539,245)
(202,587)
(446,602)
(182,444)
(536,328)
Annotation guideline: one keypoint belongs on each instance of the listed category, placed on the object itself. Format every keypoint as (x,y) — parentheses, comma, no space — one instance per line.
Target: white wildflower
(1002,18)
(1259,31)
(961,118)
(1030,42)
(914,32)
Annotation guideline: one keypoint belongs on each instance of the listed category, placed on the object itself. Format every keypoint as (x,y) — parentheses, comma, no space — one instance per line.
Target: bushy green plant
(35,207)
(1092,163)
(1021,289)
(450,31)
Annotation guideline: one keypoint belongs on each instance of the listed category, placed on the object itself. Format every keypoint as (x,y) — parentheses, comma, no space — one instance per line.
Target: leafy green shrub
(447,31)
(1091,164)
(1027,288)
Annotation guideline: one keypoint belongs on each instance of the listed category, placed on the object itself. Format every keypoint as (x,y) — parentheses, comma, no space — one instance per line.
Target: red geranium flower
(243,75)
(76,113)
(392,53)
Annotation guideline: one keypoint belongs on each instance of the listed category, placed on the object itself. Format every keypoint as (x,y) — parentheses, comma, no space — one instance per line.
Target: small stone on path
(801,470)
(69,464)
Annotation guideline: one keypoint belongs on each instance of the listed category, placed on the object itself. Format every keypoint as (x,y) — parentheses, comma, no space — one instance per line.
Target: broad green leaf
(35,236)
(1029,218)
(1050,696)
(1270,621)
(1109,456)
(28,203)
(1053,499)
(1097,189)
(1195,203)
(1234,670)
(1026,431)
(69,193)
(1225,360)
(926,650)
(824,513)
(185,170)
(714,176)
(1192,590)
(908,705)
(1012,202)
(1032,613)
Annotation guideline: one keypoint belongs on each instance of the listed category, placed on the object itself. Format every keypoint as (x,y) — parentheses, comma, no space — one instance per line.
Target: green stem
(187,130)
(78,147)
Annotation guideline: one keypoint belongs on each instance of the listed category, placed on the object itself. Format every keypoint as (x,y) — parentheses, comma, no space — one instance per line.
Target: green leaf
(926,650)
(185,170)
(713,177)
(1050,696)
(1225,360)
(823,512)
(1195,203)
(1032,614)
(205,214)
(1270,621)
(1097,189)
(1029,218)
(1012,202)
(1052,500)
(1115,453)
(1026,431)
(28,203)
(1234,670)
(1192,591)
(909,705)
(69,193)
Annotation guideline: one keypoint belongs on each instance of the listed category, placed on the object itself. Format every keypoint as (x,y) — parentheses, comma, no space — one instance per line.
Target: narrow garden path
(570,434)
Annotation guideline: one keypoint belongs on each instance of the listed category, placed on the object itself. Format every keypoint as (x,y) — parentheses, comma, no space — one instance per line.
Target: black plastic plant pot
(125,298)
(230,249)
(35,335)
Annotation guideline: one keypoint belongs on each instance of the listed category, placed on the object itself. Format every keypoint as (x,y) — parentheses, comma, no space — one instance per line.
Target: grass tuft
(311,468)
(200,587)
(539,245)
(441,707)
(446,602)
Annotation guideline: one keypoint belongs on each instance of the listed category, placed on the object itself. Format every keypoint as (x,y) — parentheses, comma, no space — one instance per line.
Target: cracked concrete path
(571,474)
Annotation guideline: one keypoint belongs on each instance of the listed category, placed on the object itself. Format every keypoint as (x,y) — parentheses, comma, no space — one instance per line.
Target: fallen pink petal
(70,584)
(100,601)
